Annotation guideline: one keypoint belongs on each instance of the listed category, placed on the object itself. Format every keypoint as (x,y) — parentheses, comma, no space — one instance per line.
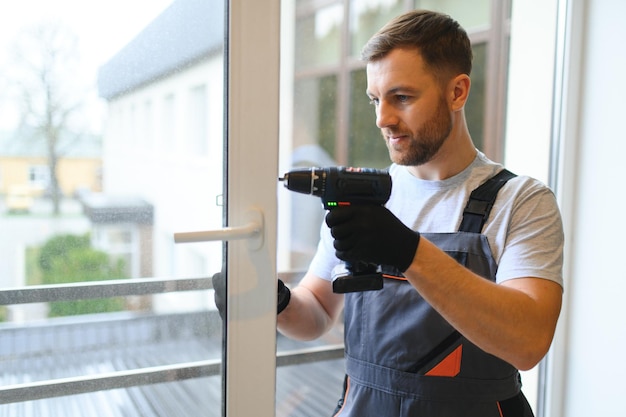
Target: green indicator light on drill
(332,204)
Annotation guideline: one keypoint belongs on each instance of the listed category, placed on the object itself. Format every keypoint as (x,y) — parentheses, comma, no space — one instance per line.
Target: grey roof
(86,345)
(186,32)
(103,208)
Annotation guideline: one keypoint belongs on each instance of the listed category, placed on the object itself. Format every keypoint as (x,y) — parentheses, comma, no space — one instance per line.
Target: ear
(458,91)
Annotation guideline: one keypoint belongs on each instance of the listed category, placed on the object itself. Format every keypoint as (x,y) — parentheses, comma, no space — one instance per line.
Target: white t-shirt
(524,229)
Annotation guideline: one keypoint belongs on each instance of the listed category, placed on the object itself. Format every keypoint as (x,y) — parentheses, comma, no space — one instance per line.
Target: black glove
(219,285)
(372,234)
(284,296)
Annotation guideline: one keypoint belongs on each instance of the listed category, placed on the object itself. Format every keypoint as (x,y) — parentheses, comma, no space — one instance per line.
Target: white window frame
(253,108)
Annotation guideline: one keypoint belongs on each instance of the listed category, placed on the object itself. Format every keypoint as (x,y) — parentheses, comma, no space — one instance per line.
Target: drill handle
(358,276)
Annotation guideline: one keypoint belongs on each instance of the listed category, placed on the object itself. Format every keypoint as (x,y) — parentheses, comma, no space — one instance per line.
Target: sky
(103,28)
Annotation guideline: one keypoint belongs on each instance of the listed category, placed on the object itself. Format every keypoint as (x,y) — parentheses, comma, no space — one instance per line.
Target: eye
(374,101)
(401,98)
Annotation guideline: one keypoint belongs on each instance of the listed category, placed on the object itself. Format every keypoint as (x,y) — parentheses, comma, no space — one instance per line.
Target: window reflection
(318,37)
(366,17)
(470,14)
(365,142)
(475,106)
(315,106)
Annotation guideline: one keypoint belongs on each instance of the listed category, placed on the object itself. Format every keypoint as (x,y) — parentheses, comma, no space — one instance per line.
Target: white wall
(593,341)
(586,364)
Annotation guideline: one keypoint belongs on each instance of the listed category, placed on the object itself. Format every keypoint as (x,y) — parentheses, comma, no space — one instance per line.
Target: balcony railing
(136,377)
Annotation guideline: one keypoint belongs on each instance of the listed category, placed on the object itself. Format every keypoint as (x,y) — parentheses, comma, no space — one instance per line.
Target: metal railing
(100,289)
(136,377)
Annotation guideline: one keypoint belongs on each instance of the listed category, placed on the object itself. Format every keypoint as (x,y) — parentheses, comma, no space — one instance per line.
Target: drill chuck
(305,181)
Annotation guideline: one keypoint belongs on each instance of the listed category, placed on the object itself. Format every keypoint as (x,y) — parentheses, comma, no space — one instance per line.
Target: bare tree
(44,77)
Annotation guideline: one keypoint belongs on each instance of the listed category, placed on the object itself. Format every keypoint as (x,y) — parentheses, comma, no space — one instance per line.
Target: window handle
(252,230)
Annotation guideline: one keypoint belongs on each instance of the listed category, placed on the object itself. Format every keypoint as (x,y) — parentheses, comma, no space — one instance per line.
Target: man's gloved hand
(284,296)
(219,285)
(219,294)
(372,234)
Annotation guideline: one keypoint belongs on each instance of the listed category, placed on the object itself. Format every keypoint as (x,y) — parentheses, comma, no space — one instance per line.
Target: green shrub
(70,258)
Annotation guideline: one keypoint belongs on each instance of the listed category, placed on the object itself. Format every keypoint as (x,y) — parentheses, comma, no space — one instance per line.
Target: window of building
(39,176)
(147,126)
(168,118)
(121,241)
(197,128)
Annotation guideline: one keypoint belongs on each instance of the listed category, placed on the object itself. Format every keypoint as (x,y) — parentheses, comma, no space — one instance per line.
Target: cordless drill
(343,186)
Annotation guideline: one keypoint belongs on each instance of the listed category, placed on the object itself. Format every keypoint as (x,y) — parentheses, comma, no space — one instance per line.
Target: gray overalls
(404,359)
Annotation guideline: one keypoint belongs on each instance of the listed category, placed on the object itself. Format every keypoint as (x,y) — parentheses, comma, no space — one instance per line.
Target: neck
(456,154)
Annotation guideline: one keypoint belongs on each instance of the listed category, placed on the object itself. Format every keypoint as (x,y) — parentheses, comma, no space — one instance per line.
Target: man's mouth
(396,138)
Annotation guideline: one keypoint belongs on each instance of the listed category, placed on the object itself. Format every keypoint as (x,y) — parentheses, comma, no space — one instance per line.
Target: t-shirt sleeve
(534,242)
(324,260)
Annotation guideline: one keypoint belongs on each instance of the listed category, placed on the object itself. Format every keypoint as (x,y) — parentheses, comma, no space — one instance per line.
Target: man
(468,308)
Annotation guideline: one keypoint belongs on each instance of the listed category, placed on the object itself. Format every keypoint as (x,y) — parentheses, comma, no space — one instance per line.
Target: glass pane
(110,142)
(313,143)
(315,127)
(317,37)
(475,106)
(366,145)
(311,389)
(307,389)
(471,15)
(366,17)
(333,122)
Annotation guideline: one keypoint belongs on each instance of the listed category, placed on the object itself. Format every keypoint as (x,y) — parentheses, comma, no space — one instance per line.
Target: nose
(385,115)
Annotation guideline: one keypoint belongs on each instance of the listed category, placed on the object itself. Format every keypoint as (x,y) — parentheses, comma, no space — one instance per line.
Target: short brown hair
(442,42)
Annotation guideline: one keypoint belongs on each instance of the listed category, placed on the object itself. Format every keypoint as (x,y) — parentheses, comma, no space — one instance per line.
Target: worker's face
(411,110)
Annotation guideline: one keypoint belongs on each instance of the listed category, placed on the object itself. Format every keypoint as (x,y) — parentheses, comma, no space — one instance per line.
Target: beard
(426,142)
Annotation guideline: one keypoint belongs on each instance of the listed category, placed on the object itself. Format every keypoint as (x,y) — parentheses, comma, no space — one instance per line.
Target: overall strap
(481,201)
